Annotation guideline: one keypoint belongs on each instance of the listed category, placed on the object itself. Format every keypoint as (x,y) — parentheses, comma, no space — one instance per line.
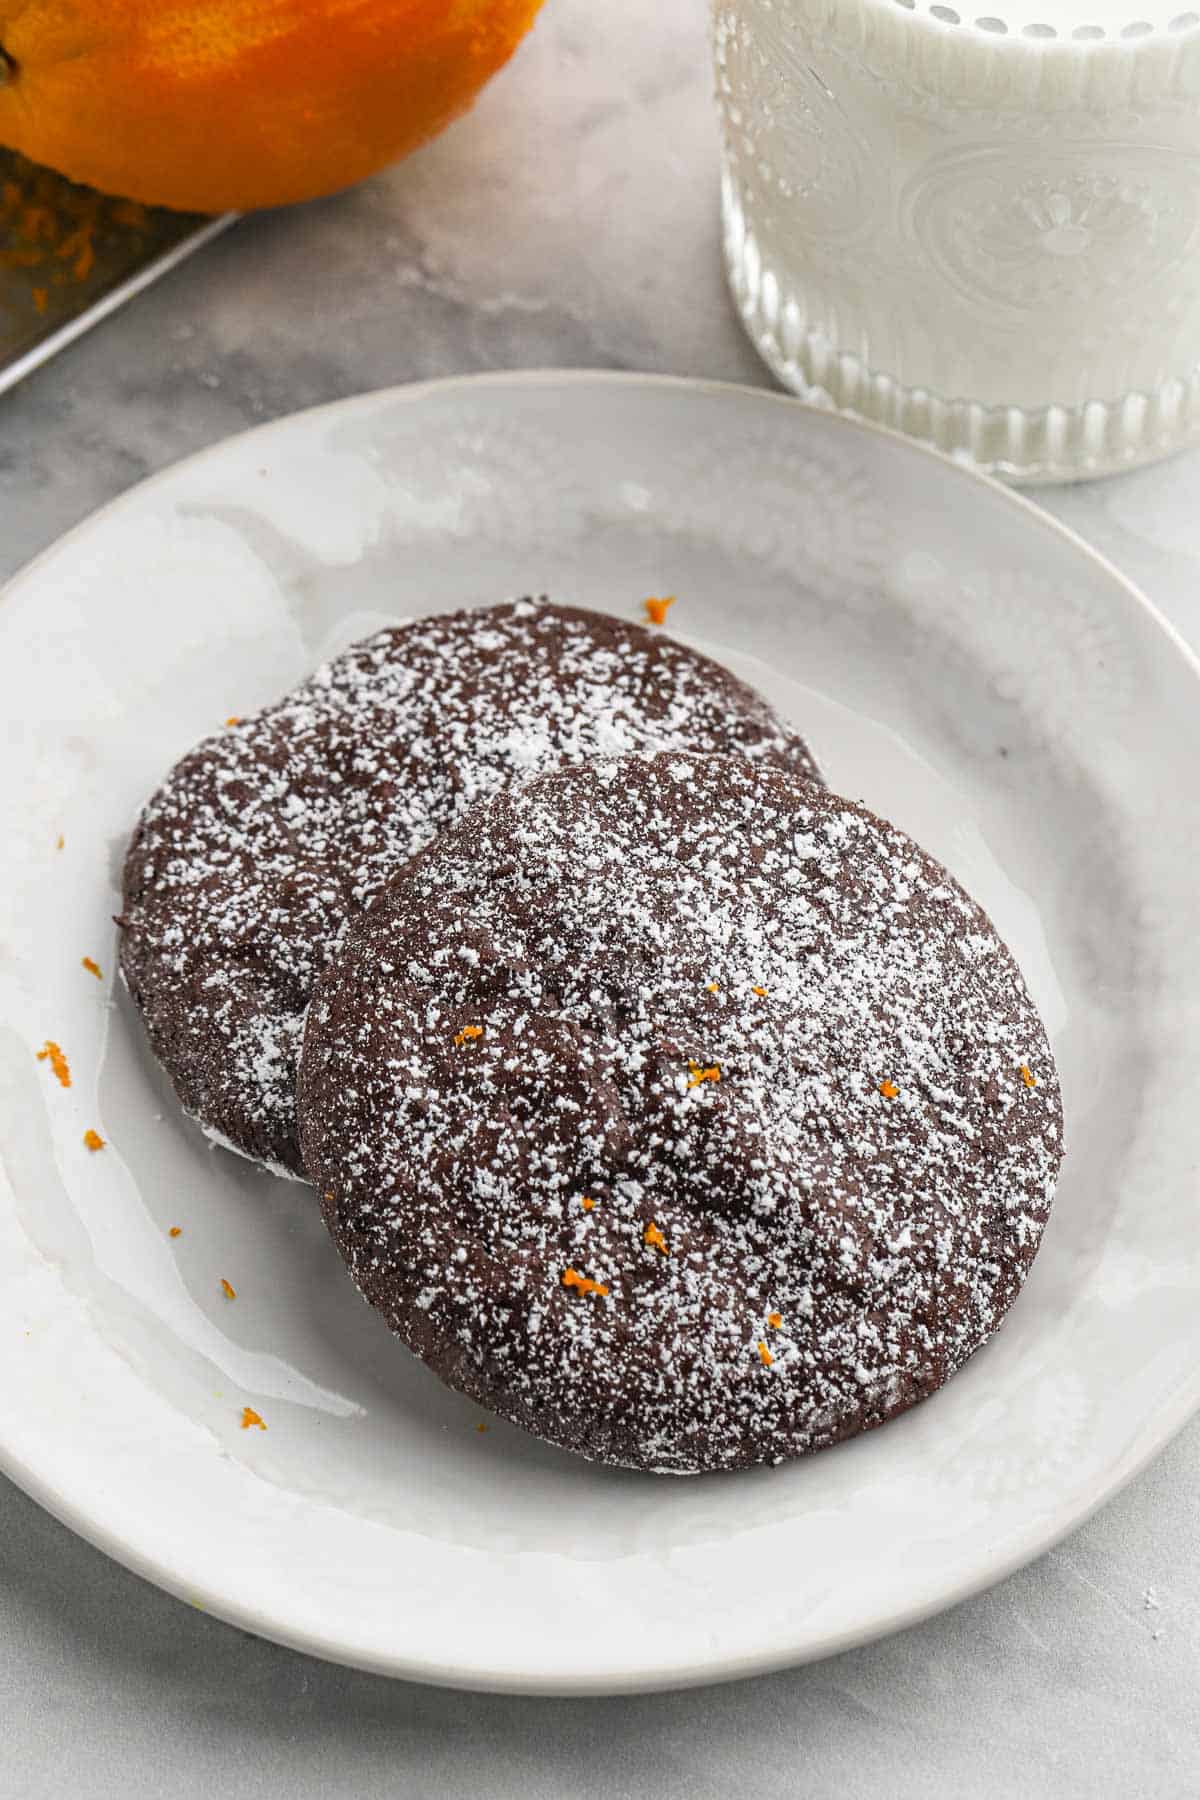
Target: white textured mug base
(1018,444)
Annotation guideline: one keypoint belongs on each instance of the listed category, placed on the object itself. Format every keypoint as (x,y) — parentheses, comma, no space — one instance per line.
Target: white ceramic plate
(959,662)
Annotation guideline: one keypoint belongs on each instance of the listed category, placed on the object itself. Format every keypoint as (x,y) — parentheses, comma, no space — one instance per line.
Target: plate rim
(548,376)
(1152,1434)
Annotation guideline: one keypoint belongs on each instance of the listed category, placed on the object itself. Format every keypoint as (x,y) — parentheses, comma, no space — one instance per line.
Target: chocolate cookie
(264,841)
(683,1113)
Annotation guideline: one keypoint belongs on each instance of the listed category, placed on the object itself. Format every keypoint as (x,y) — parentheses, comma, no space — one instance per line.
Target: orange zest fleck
(233,719)
(889,1090)
(760,991)
(60,841)
(468,1031)
(175,1231)
(93,968)
(481,1426)
(587,1203)
(58,1062)
(78,249)
(764,1355)
(41,299)
(39,222)
(774,1320)
(1028,1076)
(657,609)
(227,1288)
(93,1140)
(250,1417)
(652,1235)
(571,1278)
(696,1074)
(713,988)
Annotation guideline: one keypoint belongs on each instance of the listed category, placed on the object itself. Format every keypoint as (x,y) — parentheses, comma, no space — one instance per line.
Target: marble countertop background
(570,220)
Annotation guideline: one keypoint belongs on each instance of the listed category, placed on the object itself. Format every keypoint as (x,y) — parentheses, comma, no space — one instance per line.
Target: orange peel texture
(212,105)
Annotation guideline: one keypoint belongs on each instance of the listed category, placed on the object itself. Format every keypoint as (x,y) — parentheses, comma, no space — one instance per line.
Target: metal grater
(70,256)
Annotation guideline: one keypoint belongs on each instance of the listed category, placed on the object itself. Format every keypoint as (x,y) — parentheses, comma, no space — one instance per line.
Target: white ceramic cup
(982,229)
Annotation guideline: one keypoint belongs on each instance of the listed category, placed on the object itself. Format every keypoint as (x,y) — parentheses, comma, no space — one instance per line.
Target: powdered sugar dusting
(267,838)
(776,1047)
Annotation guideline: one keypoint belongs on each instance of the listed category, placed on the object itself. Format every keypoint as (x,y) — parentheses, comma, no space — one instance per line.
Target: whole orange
(210,105)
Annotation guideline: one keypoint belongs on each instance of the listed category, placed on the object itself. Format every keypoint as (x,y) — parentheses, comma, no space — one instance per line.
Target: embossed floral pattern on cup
(784,127)
(1079,228)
